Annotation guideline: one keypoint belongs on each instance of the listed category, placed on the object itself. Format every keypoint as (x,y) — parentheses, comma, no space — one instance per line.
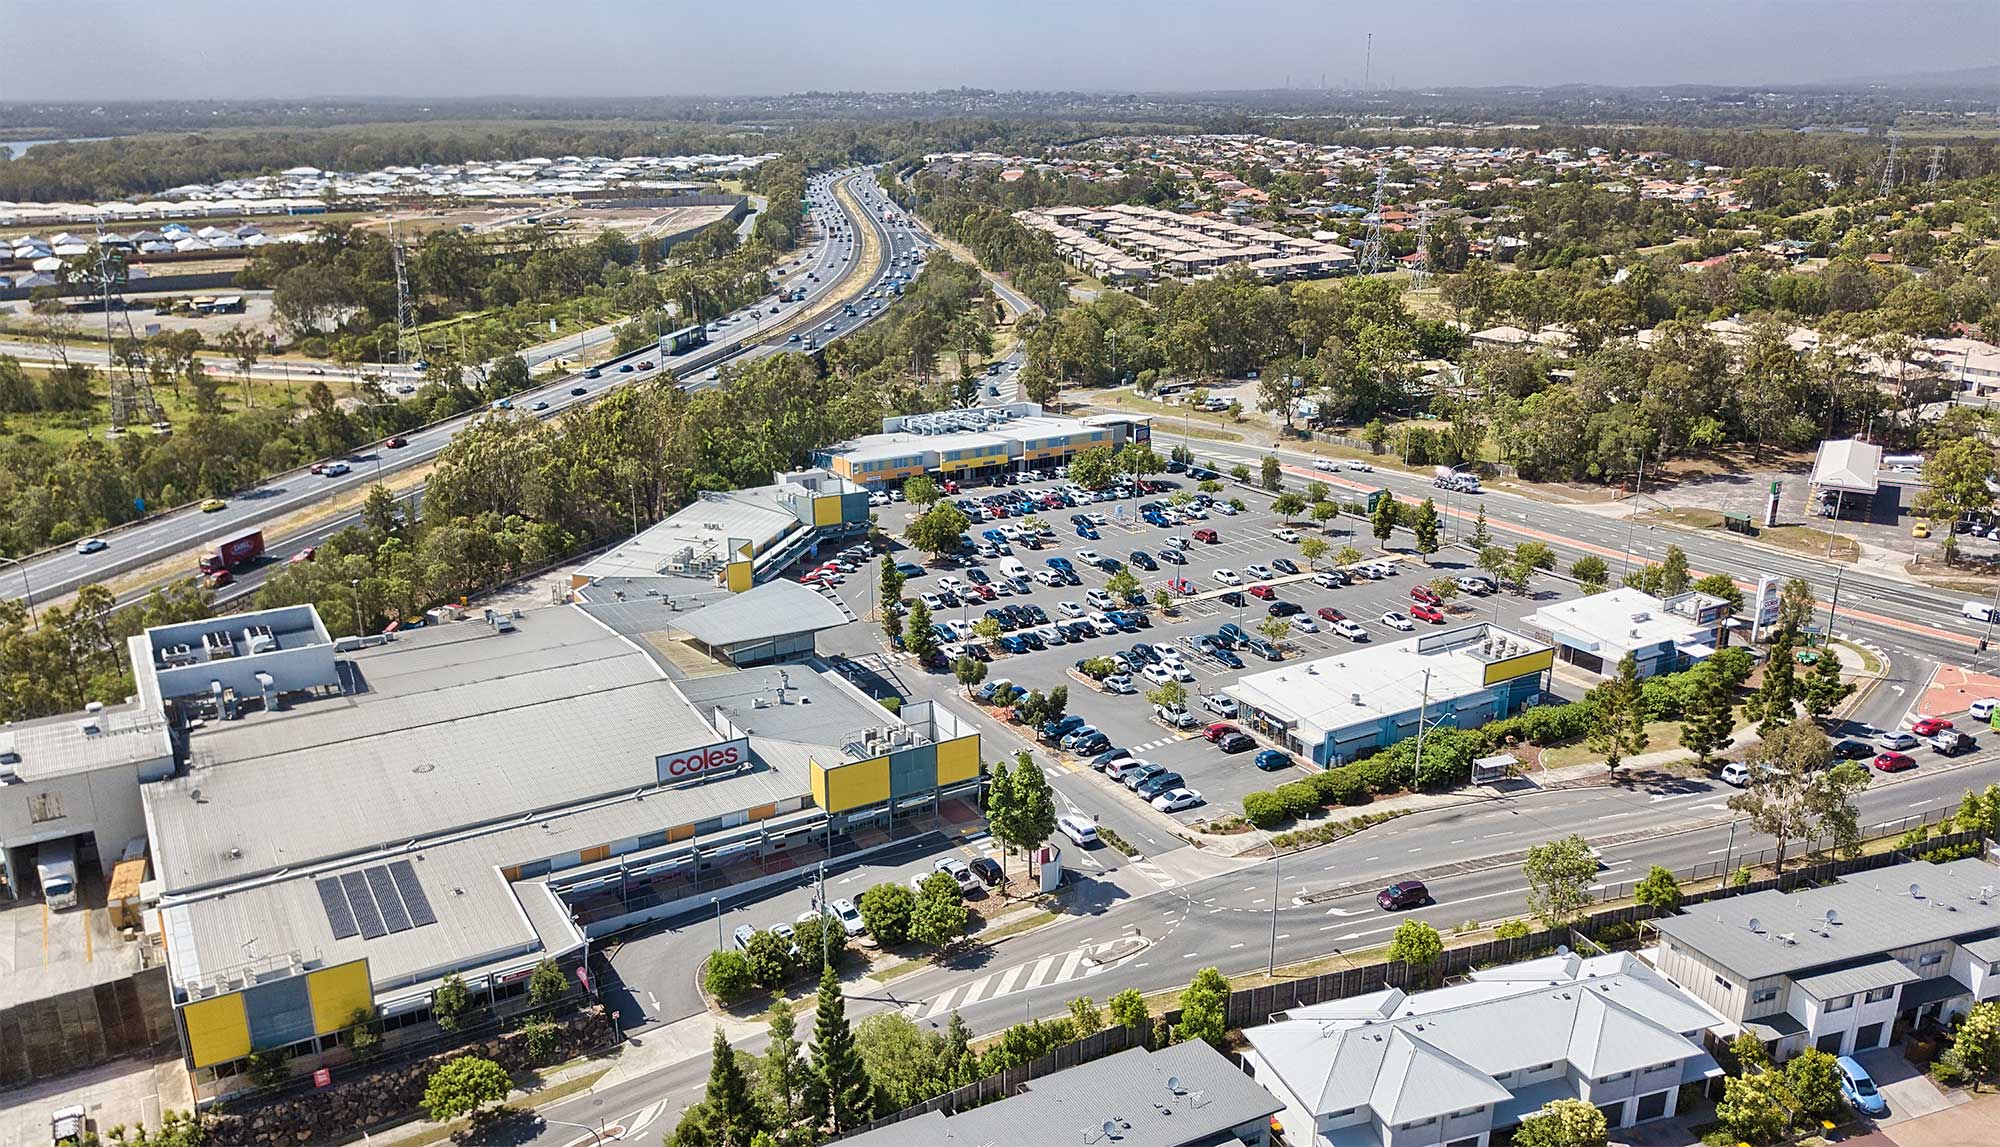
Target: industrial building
(1662,635)
(336,826)
(1337,708)
(1129,243)
(978,442)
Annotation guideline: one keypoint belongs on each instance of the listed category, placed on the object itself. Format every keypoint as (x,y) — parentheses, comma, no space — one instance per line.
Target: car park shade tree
(886,909)
(940,916)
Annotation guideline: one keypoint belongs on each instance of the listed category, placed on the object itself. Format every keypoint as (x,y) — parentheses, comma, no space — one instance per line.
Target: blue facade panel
(279,1012)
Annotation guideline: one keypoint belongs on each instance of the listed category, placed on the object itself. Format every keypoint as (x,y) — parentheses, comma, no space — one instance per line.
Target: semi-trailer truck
(233,553)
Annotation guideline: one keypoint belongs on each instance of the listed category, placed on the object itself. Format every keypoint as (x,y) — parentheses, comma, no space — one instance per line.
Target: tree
(1708,714)
(1445,587)
(727,1115)
(1754,1108)
(1976,1042)
(728,977)
(922,491)
(837,1096)
(1529,557)
(1346,556)
(1618,729)
(938,531)
(547,984)
(1382,523)
(450,1003)
(1659,891)
(1093,469)
(1323,513)
(1084,1017)
(1416,943)
(1026,813)
(1128,1009)
(1240,472)
(1559,875)
(1796,604)
(1590,572)
(1205,1008)
(886,909)
(918,637)
(1497,561)
(1271,477)
(941,915)
(1955,481)
(1814,1081)
(463,1085)
(1313,549)
(1778,693)
(1480,538)
(1674,576)
(891,580)
(1562,1123)
(1793,795)
(1122,585)
(1424,525)
(1823,688)
(970,671)
(1289,504)
(770,957)
(1169,695)
(1723,586)
(1275,629)
(958,1063)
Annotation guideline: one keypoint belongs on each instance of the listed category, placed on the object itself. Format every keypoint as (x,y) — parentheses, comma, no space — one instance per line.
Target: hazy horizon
(625,48)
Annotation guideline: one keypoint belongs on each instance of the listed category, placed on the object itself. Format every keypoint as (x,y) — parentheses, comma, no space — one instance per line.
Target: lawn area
(1799,539)
(66,428)
(1204,426)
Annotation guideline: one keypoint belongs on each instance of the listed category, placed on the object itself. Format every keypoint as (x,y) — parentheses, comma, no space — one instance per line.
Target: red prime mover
(233,552)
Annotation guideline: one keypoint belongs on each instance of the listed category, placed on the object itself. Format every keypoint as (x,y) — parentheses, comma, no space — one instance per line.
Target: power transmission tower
(402,296)
(1421,276)
(1936,171)
(131,389)
(1371,247)
(1368,63)
(1889,164)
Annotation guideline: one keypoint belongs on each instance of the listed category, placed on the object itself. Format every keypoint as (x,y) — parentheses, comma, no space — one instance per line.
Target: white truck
(55,866)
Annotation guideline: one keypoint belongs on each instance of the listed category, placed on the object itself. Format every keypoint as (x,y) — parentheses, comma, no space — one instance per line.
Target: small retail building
(978,442)
(1662,635)
(1337,708)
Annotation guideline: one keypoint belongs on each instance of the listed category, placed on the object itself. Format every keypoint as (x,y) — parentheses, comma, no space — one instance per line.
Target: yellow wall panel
(843,787)
(739,576)
(958,760)
(826,510)
(593,854)
(679,832)
(818,772)
(217,1030)
(337,992)
(1520,666)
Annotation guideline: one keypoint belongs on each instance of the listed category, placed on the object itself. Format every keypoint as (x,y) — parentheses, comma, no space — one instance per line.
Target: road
(824,270)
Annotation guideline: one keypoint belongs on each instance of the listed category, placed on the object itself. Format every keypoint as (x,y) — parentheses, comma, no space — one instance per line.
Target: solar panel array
(375,901)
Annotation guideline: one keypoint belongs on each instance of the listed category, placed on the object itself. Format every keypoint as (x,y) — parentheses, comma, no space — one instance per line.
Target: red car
(304,555)
(1429,613)
(1425,594)
(1263,591)
(1930,726)
(1219,730)
(1179,585)
(1895,762)
(1208,537)
(397,443)
(985,592)
(1328,613)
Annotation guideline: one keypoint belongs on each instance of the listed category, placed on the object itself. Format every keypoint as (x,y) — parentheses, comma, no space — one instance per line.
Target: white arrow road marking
(1347,911)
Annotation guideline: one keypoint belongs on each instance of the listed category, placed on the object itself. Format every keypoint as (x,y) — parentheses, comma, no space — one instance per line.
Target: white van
(1079,829)
(1012,567)
(1976,611)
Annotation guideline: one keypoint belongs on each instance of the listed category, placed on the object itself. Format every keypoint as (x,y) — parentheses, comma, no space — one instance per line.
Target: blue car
(1058,564)
(1273,759)
(1859,1088)
(1089,532)
(909,569)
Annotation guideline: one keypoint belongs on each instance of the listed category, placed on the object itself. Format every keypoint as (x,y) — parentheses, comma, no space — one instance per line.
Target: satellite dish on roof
(1174,1084)
(1110,1129)
(1832,917)
(1916,891)
(1755,925)
(1562,949)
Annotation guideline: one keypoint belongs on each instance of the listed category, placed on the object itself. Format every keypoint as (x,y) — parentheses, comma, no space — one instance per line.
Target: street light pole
(717,901)
(1833,605)
(1277,863)
(27,591)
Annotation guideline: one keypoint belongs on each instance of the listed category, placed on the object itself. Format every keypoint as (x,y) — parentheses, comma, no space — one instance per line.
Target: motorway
(825,271)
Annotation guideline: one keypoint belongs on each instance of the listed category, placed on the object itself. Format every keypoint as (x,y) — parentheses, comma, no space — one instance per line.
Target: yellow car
(213,504)
(1921,530)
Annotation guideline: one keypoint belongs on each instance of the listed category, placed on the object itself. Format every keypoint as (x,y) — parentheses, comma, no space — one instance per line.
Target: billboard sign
(1768,601)
(691,763)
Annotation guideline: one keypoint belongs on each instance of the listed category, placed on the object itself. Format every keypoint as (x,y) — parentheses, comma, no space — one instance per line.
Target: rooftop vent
(93,707)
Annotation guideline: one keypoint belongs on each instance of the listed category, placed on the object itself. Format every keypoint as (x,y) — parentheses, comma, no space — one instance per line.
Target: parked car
(850,916)
(1852,750)
(1425,594)
(1174,716)
(955,868)
(1894,762)
(1395,620)
(1930,725)
(1403,894)
(1896,739)
(1429,613)
(1220,704)
(1982,709)
(1350,631)
(1328,613)
(1235,743)
(1273,759)
(1174,800)
(742,935)
(1859,1087)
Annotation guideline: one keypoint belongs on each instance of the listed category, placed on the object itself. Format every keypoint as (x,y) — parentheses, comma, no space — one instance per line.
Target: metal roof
(1852,981)
(774,609)
(1129,1089)
(1874,913)
(1848,464)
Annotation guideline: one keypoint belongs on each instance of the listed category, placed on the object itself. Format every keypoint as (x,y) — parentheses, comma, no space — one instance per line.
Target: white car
(1174,800)
(1087,557)
(958,871)
(335,469)
(1157,674)
(1395,620)
(878,498)
(1260,571)
(1220,704)
(1286,535)
(1324,464)
(1982,709)
(1176,667)
(92,545)
(1350,631)
(1327,579)
(932,602)
(1180,543)
(949,583)
(1069,609)
(1358,465)
(1049,578)
(1225,509)
(849,917)
(1105,627)
(1304,623)
(1119,683)
(1192,511)
(1226,577)
(1897,739)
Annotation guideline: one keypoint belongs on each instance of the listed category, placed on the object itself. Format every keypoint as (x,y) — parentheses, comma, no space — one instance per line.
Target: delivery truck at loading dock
(230,554)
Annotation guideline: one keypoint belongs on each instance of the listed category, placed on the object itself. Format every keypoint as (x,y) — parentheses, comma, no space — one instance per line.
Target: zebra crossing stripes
(1149,746)
(1153,872)
(1047,971)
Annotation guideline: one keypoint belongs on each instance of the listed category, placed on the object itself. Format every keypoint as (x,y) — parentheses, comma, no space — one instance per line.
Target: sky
(243,49)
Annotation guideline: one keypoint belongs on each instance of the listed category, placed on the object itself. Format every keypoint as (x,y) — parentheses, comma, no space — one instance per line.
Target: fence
(1815,872)
(1251,1006)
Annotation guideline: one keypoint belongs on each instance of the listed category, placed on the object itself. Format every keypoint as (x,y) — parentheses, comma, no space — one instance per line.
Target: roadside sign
(323,1077)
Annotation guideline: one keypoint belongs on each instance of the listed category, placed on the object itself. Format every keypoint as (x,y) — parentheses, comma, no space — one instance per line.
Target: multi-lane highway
(830,269)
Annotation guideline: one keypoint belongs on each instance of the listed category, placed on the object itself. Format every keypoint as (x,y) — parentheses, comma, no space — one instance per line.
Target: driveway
(1910,1093)
(1971,1122)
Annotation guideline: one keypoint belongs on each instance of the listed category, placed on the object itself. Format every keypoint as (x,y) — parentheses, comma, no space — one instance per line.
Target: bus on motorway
(683,340)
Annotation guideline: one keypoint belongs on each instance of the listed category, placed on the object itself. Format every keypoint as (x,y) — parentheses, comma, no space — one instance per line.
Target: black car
(1144,560)
(1107,756)
(987,870)
(1226,657)
(1236,743)
(1403,894)
(977,576)
(1232,598)
(1035,614)
(1032,639)
(1173,556)
(1000,619)
(1853,750)
(1144,652)
(1285,565)
(1158,783)
(578,390)
(1285,608)
(1095,743)
(978,652)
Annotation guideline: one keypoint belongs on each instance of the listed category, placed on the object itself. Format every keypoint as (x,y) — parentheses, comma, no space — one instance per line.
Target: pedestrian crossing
(1047,971)
(1153,872)
(1149,746)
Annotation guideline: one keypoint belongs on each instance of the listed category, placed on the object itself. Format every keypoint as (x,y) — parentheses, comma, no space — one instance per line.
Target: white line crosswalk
(1047,971)
(1153,872)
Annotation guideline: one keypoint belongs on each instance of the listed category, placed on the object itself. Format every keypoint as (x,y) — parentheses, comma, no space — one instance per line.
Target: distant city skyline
(284,49)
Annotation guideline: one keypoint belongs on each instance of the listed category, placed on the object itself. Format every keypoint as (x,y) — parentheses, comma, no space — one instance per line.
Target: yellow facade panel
(593,854)
(958,760)
(739,576)
(337,993)
(680,832)
(218,1030)
(842,787)
(1521,666)
(826,510)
